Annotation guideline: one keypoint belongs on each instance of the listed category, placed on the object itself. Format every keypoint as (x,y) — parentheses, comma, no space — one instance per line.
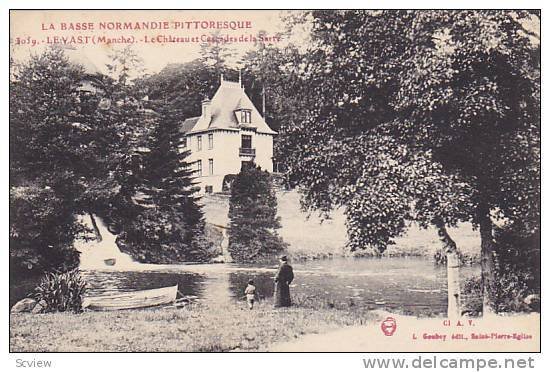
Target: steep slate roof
(188,124)
(229,97)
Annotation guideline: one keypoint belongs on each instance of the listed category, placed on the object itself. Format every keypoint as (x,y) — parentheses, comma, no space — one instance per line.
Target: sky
(32,31)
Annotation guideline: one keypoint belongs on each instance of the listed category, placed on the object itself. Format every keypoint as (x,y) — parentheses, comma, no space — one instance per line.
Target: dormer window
(246,116)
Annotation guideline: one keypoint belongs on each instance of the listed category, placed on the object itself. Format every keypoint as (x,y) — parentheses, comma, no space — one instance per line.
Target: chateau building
(229,134)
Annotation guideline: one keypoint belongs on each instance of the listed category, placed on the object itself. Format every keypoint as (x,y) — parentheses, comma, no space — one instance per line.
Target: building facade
(229,133)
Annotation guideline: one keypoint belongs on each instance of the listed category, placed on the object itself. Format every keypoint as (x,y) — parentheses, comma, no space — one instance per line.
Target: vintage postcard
(275,181)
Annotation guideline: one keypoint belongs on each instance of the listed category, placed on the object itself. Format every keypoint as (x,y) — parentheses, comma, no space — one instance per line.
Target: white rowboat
(132,300)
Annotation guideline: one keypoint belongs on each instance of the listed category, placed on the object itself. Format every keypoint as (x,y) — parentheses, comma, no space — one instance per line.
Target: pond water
(410,285)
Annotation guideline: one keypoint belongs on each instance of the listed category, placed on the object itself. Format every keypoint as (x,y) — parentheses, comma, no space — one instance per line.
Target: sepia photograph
(275,181)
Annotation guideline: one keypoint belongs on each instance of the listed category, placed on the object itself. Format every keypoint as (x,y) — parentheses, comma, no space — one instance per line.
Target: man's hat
(283,258)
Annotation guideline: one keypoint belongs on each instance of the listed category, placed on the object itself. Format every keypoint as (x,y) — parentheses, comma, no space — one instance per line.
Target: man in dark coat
(282,281)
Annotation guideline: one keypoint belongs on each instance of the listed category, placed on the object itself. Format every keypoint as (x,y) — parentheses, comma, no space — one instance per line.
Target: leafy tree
(70,134)
(124,63)
(480,108)
(253,217)
(216,54)
(266,79)
(182,87)
(47,176)
(342,153)
(43,102)
(42,231)
(420,116)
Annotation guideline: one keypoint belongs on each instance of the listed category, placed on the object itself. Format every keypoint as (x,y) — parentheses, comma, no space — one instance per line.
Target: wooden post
(453,265)
(453,285)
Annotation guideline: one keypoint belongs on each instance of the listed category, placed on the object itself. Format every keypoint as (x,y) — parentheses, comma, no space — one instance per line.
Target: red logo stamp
(388,326)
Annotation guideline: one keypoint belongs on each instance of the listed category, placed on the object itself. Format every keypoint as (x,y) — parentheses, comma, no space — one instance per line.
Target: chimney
(206,108)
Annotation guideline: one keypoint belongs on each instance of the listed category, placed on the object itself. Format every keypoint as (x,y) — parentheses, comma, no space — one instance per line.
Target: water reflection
(413,293)
(263,281)
(411,285)
(110,282)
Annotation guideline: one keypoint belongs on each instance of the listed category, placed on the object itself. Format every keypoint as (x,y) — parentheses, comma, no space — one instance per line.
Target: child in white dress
(250,293)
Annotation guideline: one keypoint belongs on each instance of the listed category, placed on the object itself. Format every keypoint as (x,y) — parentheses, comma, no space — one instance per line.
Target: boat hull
(132,300)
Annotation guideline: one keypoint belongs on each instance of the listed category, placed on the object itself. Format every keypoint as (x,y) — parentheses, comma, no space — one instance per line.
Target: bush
(472,296)
(42,232)
(262,248)
(517,270)
(59,292)
(507,294)
(228,180)
(519,252)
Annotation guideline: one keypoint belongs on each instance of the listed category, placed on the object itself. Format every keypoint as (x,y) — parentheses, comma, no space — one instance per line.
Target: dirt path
(429,335)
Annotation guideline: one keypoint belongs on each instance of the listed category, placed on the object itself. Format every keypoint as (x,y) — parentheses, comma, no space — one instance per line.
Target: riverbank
(313,238)
(195,328)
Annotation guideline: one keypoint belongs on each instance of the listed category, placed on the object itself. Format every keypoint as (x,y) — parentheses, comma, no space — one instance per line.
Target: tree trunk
(96,229)
(488,256)
(453,269)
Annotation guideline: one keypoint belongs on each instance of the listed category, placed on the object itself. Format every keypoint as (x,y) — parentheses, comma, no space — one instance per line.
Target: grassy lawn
(310,238)
(193,328)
